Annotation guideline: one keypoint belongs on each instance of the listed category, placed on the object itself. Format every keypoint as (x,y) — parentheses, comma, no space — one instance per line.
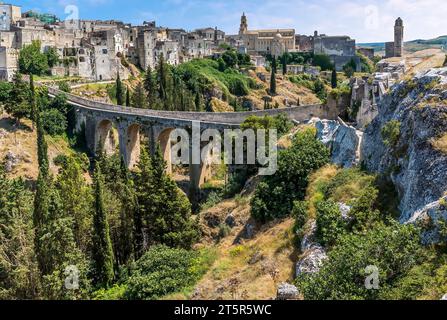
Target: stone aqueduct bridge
(99,119)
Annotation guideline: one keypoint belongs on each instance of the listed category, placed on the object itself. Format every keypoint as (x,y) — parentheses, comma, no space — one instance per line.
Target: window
(104,51)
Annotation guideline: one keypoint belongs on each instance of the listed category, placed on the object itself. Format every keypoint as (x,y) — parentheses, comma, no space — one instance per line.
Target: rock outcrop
(343,141)
(287,291)
(417,110)
(314,254)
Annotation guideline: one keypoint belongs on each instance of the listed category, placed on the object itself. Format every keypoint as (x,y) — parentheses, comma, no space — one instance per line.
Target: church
(270,41)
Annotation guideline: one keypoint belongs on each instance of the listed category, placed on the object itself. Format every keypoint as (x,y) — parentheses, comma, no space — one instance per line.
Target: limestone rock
(309,238)
(418,171)
(312,261)
(287,291)
(11,161)
(343,140)
(3,133)
(344,210)
(444,297)
(429,218)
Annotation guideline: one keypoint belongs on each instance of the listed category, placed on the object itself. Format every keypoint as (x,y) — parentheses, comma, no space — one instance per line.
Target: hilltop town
(113,182)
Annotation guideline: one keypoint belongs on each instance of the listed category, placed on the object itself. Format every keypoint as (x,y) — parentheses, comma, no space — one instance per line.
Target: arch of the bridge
(105,138)
(129,133)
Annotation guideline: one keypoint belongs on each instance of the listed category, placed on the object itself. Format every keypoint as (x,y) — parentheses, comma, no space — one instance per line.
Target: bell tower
(244,25)
(399,38)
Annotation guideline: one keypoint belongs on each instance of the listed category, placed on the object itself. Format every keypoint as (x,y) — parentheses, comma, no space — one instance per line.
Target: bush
(391,133)
(54,122)
(330,223)
(275,195)
(162,271)
(393,249)
(323,61)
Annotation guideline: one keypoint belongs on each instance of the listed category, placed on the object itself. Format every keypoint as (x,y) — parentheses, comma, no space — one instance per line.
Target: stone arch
(164,139)
(133,145)
(105,138)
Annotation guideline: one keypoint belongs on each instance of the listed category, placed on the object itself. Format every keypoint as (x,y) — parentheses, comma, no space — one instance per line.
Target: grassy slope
(22,141)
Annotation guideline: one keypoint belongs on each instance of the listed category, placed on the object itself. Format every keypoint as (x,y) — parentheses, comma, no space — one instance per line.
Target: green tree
(54,122)
(323,61)
(128,102)
(350,68)
(151,87)
(32,60)
(393,249)
(273,78)
(52,57)
(275,195)
(334,79)
(102,252)
(18,105)
(164,209)
(76,197)
(18,268)
(139,97)
(119,94)
(284,64)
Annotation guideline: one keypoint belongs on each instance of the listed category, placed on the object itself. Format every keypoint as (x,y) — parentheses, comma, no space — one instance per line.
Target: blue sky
(366,21)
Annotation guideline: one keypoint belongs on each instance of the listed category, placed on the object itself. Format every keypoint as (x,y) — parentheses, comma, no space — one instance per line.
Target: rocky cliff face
(415,114)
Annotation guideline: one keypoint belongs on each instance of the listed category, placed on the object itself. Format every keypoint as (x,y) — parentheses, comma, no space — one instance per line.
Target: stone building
(341,49)
(396,48)
(270,41)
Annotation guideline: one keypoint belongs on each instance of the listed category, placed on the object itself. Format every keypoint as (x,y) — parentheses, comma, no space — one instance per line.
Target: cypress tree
(119,90)
(128,97)
(139,97)
(198,102)
(102,252)
(150,87)
(162,79)
(273,78)
(32,99)
(284,64)
(334,79)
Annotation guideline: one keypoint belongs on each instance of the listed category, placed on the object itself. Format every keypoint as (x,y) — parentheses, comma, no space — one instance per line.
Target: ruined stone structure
(341,49)
(396,48)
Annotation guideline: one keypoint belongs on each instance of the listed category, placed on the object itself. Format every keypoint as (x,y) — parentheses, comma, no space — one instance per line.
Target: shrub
(391,133)
(323,61)
(54,122)
(393,249)
(275,195)
(330,223)
(162,271)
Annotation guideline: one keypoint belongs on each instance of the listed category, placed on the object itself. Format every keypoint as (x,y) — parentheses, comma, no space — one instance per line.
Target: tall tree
(102,251)
(273,78)
(334,79)
(198,102)
(165,210)
(19,270)
(128,97)
(139,97)
(76,197)
(150,87)
(284,64)
(119,90)
(162,78)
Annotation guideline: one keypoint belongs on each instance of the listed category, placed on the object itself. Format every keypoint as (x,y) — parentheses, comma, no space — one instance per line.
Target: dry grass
(274,247)
(440,144)
(317,180)
(22,141)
